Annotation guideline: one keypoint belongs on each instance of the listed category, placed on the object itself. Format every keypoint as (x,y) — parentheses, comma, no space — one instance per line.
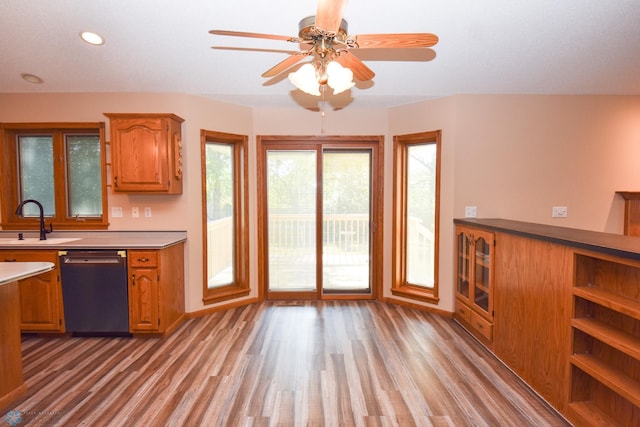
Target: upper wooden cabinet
(146,153)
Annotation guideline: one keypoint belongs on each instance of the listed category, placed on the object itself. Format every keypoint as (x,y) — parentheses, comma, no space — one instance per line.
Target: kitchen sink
(37,241)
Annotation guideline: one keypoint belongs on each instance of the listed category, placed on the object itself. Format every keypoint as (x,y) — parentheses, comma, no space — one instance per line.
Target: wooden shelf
(614,379)
(482,287)
(590,414)
(609,300)
(622,341)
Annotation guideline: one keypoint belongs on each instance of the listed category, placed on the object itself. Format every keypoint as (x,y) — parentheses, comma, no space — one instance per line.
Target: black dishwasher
(95,294)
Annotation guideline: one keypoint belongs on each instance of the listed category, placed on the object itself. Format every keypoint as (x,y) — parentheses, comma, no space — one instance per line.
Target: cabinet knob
(143,259)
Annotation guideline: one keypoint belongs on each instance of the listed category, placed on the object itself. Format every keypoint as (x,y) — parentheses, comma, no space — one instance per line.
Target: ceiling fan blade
(253,49)
(412,54)
(284,64)
(329,14)
(364,41)
(256,35)
(360,71)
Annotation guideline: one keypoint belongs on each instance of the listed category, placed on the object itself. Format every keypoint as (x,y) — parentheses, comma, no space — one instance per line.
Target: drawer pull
(143,259)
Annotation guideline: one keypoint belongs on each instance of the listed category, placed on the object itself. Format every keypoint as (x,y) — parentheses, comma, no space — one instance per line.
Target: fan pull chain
(323,105)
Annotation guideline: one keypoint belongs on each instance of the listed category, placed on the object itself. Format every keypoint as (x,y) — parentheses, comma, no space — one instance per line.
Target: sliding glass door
(318,209)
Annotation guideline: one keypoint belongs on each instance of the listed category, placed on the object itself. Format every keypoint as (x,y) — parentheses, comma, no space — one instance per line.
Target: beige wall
(181,212)
(516,156)
(511,156)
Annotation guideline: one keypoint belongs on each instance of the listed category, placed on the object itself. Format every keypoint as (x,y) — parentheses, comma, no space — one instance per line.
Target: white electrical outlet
(147,212)
(559,212)
(135,213)
(116,212)
(470,211)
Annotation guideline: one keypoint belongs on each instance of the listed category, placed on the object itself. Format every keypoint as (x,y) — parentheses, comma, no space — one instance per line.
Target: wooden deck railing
(343,235)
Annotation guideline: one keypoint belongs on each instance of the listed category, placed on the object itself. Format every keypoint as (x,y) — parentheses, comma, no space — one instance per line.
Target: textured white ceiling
(492,46)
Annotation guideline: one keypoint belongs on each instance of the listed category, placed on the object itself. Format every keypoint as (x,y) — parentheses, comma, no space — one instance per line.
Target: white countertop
(93,240)
(12,271)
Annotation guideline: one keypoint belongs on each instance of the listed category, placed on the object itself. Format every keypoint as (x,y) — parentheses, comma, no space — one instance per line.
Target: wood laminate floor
(279,364)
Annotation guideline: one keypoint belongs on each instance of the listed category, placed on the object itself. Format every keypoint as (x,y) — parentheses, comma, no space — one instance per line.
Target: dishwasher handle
(92,257)
(93,260)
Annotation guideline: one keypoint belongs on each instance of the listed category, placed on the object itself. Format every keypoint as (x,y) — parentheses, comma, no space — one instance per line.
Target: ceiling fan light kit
(309,78)
(333,64)
(305,79)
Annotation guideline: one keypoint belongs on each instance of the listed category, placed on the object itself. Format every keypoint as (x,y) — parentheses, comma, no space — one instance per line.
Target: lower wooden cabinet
(156,289)
(41,307)
(567,318)
(474,281)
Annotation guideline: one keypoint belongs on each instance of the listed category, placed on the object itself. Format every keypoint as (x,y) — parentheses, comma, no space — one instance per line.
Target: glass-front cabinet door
(474,272)
(482,277)
(463,263)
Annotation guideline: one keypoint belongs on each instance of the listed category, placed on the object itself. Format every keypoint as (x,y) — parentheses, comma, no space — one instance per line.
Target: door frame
(376,144)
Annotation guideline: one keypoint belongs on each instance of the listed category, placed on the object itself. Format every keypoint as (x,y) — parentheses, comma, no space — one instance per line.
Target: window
(225,216)
(416,216)
(62,166)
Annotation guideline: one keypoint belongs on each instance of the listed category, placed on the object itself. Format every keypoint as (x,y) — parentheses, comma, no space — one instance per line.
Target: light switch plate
(116,212)
(470,211)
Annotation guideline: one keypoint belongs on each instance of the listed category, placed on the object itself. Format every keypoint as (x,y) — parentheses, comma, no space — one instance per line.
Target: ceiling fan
(325,38)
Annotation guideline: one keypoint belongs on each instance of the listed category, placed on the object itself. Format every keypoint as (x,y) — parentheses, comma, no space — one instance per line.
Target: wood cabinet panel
(146,153)
(11,382)
(143,300)
(41,307)
(143,258)
(532,312)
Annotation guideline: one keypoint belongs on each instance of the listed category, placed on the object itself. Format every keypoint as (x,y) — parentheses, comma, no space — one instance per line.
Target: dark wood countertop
(608,243)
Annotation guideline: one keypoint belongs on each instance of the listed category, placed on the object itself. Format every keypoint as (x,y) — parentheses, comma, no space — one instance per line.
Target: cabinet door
(144,311)
(482,283)
(139,157)
(463,263)
(40,296)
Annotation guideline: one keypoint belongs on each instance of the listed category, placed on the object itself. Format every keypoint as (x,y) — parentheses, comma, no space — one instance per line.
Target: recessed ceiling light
(31,78)
(92,38)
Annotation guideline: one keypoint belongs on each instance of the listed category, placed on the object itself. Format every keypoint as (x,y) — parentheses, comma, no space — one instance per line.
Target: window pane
(220,218)
(84,178)
(36,173)
(291,207)
(421,197)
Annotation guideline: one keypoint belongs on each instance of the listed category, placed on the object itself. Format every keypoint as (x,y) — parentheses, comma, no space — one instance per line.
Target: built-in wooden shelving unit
(605,361)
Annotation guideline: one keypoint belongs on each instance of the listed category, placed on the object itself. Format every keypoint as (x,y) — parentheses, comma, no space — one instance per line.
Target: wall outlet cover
(559,212)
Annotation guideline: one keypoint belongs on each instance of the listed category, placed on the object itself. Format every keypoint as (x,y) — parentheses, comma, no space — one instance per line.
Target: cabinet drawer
(143,259)
(481,325)
(463,312)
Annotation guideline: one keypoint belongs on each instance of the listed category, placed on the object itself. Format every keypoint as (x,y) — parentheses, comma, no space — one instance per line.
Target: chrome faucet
(43,229)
